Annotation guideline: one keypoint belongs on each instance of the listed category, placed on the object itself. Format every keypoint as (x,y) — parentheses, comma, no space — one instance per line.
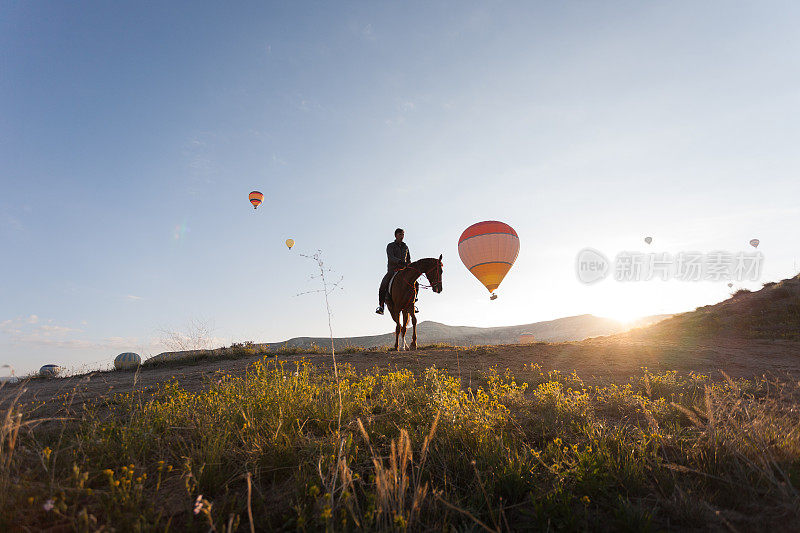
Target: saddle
(389,289)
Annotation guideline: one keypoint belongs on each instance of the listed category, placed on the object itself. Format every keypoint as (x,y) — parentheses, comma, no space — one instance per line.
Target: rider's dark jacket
(398,255)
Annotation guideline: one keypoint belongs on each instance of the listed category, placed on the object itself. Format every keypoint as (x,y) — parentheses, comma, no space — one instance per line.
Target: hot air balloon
(648,240)
(127,360)
(488,249)
(256,198)
(290,243)
(754,243)
(49,371)
(730,285)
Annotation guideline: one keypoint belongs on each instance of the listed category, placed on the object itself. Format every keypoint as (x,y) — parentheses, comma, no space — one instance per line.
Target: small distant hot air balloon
(730,285)
(488,249)
(127,360)
(648,240)
(256,198)
(290,243)
(754,243)
(49,371)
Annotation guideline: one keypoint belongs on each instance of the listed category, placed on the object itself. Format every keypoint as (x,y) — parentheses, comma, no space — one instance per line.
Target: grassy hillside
(428,332)
(562,329)
(773,312)
(275,450)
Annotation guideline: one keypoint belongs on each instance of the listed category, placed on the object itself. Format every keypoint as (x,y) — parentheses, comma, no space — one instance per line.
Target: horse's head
(434,276)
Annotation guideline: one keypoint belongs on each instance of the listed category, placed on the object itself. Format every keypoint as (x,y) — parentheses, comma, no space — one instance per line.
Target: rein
(421,272)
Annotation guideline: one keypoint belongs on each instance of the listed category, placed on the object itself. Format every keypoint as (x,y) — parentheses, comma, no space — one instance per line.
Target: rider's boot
(379,310)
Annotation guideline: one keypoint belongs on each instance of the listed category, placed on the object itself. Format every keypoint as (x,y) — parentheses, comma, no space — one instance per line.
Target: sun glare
(623,313)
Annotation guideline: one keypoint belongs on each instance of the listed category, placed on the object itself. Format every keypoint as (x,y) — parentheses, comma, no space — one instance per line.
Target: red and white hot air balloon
(488,249)
(256,198)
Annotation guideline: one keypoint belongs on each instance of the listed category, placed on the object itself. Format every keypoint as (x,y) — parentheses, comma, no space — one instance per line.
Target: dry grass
(415,452)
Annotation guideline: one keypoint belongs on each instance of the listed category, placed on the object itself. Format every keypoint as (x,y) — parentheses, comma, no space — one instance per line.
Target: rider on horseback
(399,258)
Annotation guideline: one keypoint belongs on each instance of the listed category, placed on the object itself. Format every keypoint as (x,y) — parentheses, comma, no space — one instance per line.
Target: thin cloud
(28,332)
(10,327)
(368,32)
(11,224)
(403,109)
(306,105)
(45,329)
(27,329)
(200,161)
(110,343)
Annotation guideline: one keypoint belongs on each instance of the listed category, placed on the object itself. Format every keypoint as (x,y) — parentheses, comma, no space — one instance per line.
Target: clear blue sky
(131,134)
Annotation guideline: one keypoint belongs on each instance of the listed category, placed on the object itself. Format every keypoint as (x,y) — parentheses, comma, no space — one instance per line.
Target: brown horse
(403,293)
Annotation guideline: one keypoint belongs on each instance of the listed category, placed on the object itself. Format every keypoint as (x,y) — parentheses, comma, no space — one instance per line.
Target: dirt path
(604,359)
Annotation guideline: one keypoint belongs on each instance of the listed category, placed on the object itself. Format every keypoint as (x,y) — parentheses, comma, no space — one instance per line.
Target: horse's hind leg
(396,334)
(414,331)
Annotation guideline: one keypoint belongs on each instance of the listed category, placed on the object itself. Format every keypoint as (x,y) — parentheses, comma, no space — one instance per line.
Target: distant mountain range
(573,328)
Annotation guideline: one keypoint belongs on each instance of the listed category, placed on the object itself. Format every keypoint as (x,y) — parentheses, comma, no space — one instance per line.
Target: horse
(403,293)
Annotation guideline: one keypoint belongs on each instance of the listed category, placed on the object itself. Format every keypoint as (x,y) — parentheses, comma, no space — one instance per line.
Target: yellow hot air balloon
(488,249)
(256,198)
(290,243)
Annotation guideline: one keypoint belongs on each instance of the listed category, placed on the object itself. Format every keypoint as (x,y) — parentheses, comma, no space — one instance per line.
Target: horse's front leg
(396,335)
(403,330)
(414,331)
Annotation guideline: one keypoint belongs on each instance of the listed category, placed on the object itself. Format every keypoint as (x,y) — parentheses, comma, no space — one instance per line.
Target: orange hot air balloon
(256,198)
(290,243)
(488,249)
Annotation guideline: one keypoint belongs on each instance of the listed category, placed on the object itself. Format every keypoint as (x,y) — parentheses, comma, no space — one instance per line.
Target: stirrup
(416,309)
